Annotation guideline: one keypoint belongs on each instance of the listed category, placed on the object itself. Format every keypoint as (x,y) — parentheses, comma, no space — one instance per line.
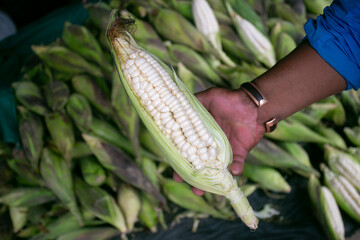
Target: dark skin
(295,82)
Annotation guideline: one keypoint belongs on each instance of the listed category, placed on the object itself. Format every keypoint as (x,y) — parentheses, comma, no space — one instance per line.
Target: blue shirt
(335,35)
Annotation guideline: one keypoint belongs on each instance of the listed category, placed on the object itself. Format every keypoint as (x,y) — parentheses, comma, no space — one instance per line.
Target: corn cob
(91,233)
(57,176)
(18,217)
(27,197)
(327,210)
(194,62)
(31,132)
(92,171)
(25,173)
(147,214)
(317,6)
(113,159)
(130,203)
(335,139)
(79,39)
(101,204)
(189,137)
(87,87)
(62,59)
(29,95)
(56,93)
(80,112)
(353,135)
(207,24)
(284,45)
(174,27)
(254,39)
(343,163)
(62,132)
(188,77)
(267,177)
(345,194)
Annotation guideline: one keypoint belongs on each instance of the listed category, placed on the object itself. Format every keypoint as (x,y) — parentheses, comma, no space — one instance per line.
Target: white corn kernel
(192,150)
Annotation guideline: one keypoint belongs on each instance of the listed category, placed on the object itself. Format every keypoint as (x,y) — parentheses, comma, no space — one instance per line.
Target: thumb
(237,166)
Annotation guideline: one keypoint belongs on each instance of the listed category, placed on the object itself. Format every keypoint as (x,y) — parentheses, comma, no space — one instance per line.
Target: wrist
(264,117)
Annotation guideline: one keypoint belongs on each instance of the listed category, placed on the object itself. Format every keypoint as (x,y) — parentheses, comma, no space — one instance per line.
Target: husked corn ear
(345,194)
(189,137)
(208,25)
(346,164)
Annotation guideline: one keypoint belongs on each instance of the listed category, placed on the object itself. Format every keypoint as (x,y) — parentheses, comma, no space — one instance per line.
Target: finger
(177,178)
(198,192)
(237,166)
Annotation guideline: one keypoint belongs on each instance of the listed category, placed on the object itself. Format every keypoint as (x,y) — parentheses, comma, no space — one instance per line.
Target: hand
(236,114)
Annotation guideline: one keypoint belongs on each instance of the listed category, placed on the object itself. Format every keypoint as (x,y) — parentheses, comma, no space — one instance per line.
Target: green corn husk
(31,133)
(297,151)
(188,77)
(62,59)
(326,209)
(101,204)
(28,231)
(56,93)
(62,133)
(29,95)
(98,14)
(286,12)
(18,217)
(27,197)
(110,134)
(346,164)
(147,214)
(79,39)
(147,141)
(80,149)
(80,112)
(254,39)
(353,134)
(62,225)
(337,115)
(87,87)
(267,177)
(291,29)
(125,115)
(130,203)
(335,139)
(57,176)
(233,45)
(113,159)
(294,131)
(249,189)
(149,168)
(317,6)
(100,233)
(182,195)
(218,180)
(183,7)
(267,153)
(92,171)
(174,27)
(26,175)
(242,8)
(351,102)
(345,194)
(305,118)
(194,62)
(298,6)
(206,22)
(284,45)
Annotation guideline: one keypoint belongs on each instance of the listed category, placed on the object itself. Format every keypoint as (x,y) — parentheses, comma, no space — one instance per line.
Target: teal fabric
(15,51)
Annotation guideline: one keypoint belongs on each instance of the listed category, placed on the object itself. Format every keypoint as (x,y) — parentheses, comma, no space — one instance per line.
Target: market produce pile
(96,162)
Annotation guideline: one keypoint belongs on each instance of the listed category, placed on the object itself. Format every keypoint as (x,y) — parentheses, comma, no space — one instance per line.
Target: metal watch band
(253,92)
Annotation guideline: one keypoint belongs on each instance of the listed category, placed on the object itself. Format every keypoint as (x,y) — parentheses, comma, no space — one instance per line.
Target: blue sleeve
(335,35)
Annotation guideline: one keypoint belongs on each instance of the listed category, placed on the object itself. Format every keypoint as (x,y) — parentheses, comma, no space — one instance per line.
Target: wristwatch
(253,92)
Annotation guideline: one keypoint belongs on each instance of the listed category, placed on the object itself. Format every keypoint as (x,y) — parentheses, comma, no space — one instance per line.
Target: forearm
(295,82)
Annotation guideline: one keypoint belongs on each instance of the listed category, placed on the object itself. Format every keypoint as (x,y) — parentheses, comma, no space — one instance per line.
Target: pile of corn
(107,112)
